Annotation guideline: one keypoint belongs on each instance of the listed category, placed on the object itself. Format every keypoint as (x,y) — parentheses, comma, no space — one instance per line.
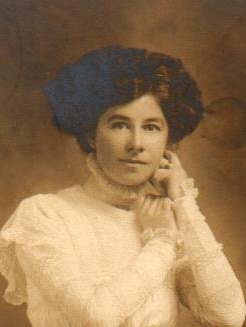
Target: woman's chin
(133,182)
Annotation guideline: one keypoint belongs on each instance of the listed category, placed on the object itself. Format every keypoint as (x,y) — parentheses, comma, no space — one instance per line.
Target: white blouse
(77,261)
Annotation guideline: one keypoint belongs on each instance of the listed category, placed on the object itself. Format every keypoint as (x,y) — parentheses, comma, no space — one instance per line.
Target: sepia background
(37,37)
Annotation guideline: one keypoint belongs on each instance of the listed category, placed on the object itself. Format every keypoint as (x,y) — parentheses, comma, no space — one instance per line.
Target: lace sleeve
(206,281)
(46,256)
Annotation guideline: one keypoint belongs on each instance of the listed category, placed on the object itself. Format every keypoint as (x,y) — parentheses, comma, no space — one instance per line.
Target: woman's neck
(102,188)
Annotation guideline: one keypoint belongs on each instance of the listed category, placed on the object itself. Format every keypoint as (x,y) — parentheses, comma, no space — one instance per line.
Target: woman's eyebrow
(121,117)
(155,120)
(126,118)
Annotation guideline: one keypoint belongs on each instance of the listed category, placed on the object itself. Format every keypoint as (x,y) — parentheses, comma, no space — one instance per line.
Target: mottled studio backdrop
(37,37)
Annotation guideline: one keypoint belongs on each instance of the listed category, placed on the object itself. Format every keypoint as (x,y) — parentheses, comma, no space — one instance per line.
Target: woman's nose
(135,142)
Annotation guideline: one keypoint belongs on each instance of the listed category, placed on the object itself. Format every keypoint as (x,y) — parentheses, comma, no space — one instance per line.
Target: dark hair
(115,75)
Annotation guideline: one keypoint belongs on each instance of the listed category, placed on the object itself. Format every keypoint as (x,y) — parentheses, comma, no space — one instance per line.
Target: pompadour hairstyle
(115,75)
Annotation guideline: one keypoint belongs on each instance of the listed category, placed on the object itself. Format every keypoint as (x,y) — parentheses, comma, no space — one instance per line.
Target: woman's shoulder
(50,200)
(42,207)
(38,225)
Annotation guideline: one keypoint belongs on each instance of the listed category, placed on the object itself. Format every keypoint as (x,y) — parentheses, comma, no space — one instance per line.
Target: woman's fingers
(167,204)
(159,206)
(156,206)
(156,211)
(151,204)
(163,163)
(148,210)
(168,214)
(147,203)
(161,174)
(172,157)
(140,201)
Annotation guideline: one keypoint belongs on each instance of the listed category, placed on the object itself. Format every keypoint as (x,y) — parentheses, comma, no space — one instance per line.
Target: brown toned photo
(123,163)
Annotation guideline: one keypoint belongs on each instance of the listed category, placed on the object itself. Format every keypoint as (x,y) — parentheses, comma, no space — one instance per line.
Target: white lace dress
(79,262)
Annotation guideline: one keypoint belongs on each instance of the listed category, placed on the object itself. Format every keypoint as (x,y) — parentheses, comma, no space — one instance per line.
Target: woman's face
(130,140)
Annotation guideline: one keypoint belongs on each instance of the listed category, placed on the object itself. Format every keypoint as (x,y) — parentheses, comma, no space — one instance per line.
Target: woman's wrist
(184,189)
(166,234)
(185,206)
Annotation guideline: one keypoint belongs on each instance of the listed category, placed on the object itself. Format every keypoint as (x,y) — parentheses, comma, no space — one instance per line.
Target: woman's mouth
(134,162)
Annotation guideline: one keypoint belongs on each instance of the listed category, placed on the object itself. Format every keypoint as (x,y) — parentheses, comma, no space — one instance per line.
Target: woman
(117,251)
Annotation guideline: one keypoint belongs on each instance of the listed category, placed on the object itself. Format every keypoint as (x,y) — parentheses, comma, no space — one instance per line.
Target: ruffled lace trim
(165,234)
(188,188)
(15,292)
(116,190)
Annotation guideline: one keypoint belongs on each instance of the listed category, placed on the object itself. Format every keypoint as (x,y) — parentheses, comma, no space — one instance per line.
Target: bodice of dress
(79,262)
(104,242)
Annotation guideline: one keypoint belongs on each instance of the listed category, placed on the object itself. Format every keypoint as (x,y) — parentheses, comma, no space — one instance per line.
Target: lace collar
(117,193)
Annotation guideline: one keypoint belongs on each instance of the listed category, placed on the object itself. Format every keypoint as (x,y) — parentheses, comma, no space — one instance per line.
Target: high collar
(103,188)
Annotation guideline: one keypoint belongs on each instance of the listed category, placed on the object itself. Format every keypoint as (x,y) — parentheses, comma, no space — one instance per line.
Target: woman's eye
(152,127)
(119,125)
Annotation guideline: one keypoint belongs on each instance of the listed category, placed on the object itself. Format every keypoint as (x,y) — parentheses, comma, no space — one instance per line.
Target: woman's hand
(172,174)
(155,211)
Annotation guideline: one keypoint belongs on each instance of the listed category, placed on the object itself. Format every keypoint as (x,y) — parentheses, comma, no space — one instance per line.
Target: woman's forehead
(143,108)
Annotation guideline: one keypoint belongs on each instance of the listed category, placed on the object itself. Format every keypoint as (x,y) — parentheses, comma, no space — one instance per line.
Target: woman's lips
(133,162)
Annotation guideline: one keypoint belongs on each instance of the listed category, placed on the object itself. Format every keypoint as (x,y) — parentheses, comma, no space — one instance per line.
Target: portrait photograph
(122,163)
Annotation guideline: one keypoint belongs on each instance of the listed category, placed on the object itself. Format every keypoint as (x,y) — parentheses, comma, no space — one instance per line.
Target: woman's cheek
(117,143)
(158,145)
(110,149)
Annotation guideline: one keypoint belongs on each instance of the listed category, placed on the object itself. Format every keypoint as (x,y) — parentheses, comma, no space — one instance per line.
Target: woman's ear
(91,137)
(92,142)
(172,146)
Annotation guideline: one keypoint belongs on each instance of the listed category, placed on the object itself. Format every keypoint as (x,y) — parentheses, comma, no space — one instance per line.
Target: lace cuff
(189,192)
(188,187)
(165,234)
(15,293)
(198,237)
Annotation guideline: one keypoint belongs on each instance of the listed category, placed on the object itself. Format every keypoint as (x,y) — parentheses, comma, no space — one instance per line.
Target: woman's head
(114,76)
(130,140)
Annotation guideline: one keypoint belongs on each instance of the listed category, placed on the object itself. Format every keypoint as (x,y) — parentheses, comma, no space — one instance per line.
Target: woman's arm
(46,255)
(207,283)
